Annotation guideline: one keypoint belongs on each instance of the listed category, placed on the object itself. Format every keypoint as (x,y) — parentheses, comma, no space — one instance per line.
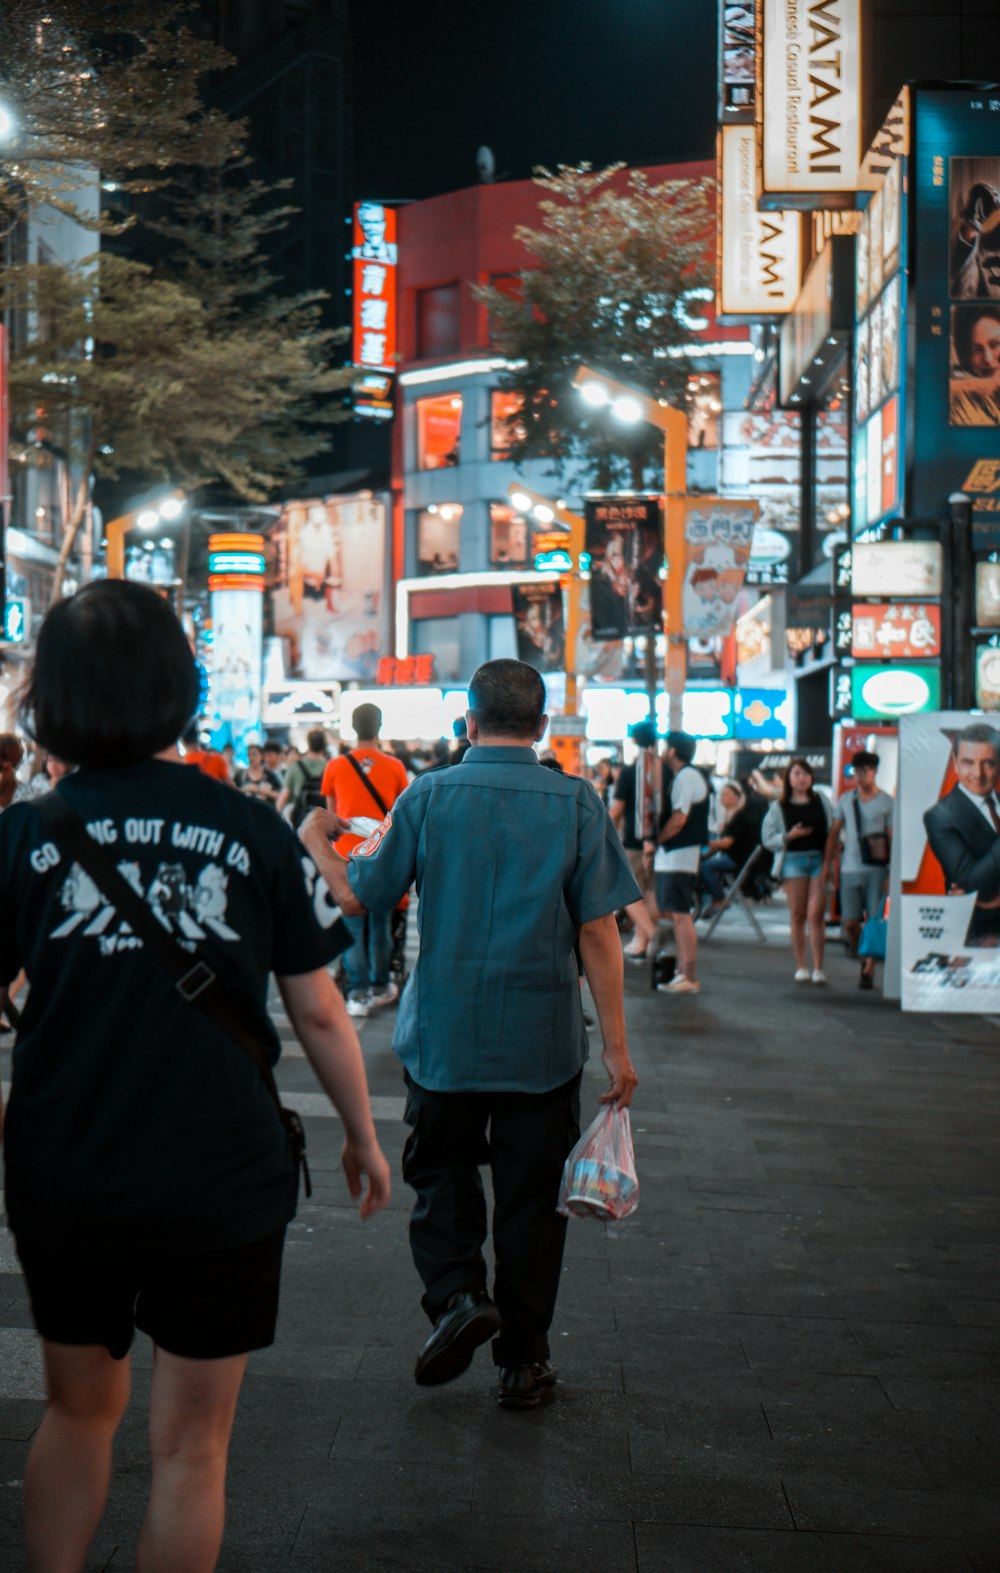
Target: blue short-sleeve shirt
(509,859)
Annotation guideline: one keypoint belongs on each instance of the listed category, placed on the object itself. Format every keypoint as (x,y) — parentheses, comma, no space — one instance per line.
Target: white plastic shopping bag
(599,1180)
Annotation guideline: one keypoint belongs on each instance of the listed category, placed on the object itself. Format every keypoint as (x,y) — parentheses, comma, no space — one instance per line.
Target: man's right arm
(314,833)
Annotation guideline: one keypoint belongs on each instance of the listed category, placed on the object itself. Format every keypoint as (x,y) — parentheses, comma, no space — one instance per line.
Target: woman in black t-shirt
(149,1179)
(796,828)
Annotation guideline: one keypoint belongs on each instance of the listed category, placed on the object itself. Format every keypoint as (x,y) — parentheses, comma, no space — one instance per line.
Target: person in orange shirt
(363,785)
(208,760)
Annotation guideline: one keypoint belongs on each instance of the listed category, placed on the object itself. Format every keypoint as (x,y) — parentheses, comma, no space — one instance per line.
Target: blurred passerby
(149,1177)
(795,830)
(274,760)
(736,842)
(623,815)
(461,743)
(513,863)
(862,829)
(11,753)
(682,834)
(208,760)
(363,784)
(256,780)
(303,788)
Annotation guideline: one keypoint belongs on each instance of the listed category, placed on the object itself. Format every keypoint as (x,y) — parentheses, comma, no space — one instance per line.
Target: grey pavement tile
(20,1418)
(961,1465)
(366,1540)
(976,1400)
(882,1511)
(665,1548)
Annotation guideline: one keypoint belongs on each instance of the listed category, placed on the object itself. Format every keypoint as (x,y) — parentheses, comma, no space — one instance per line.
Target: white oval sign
(896,693)
(769,547)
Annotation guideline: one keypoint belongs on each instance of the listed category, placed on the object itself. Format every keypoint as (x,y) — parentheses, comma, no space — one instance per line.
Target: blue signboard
(13,622)
(761,714)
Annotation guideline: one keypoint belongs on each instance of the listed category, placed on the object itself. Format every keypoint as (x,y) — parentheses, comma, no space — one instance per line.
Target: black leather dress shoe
(469,1320)
(525,1386)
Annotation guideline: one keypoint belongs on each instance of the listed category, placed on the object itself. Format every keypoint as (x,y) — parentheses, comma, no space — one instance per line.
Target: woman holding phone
(795,829)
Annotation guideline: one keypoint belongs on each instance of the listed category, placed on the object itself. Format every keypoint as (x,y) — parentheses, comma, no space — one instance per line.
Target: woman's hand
(796,833)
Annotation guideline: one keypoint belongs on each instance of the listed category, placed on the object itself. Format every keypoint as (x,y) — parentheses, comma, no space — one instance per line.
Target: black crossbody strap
(192,977)
(857,815)
(372,788)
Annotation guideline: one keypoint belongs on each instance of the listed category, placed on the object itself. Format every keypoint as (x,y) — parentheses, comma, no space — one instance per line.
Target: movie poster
(949,862)
(329,604)
(538,622)
(624,537)
(718,535)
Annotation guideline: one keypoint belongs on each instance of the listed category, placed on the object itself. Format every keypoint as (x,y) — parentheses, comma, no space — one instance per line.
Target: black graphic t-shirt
(129,1108)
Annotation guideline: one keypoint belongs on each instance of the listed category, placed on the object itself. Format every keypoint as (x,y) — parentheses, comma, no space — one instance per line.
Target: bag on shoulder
(874,849)
(309,795)
(599,1179)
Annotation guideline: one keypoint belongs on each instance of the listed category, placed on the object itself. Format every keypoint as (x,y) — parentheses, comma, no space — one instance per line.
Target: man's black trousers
(525,1138)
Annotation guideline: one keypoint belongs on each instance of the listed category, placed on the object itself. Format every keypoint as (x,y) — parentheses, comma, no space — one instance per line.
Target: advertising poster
(718,536)
(949,862)
(624,536)
(956,378)
(538,622)
(329,603)
(738,65)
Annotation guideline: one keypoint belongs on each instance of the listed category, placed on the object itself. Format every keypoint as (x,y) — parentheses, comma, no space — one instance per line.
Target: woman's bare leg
(797,894)
(69,1464)
(191,1411)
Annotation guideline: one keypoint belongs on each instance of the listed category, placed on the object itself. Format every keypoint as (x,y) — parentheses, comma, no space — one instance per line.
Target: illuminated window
(704,404)
(438,321)
(505,407)
(439,530)
(508,536)
(439,431)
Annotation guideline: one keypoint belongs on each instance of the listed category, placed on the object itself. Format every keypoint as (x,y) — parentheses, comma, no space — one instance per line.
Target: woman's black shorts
(202,1305)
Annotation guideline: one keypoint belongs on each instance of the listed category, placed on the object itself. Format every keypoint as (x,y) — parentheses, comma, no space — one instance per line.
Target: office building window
(505,427)
(508,537)
(439,431)
(439,637)
(439,530)
(438,331)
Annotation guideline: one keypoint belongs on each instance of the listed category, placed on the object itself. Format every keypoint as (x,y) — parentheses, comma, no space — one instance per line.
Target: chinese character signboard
(624,537)
(949,870)
(907,632)
(374,337)
(808,101)
(718,534)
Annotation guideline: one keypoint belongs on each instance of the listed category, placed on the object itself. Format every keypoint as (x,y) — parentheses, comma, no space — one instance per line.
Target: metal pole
(675,486)
(962,570)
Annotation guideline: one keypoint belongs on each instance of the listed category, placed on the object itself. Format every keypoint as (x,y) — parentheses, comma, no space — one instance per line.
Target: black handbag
(874,849)
(192,977)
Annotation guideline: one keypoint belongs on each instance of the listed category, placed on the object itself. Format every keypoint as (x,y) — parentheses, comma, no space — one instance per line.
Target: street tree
(124,375)
(608,270)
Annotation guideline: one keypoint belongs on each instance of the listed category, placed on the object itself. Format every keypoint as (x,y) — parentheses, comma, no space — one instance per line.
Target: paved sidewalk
(787,1360)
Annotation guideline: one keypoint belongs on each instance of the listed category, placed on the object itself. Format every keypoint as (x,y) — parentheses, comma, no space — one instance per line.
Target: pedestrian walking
(513,864)
(303,788)
(627,821)
(149,1175)
(861,829)
(256,779)
(362,785)
(682,834)
(796,828)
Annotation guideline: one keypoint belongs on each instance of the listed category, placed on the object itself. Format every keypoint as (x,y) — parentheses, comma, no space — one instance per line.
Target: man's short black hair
(114,680)
(683,745)
(507,699)
(643,734)
(317,741)
(367,723)
(864,759)
(979,732)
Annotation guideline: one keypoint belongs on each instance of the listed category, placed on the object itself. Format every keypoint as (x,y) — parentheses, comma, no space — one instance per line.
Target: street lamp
(151,516)
(630,405)
(547,511)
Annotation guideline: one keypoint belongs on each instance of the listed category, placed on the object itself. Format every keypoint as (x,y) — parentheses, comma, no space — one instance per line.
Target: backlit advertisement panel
(949,867)
(808,108)
(329,604)
(373,351)
(737,64)
(956,204)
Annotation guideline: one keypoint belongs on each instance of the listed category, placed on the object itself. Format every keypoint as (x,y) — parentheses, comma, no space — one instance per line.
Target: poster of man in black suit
(963,830)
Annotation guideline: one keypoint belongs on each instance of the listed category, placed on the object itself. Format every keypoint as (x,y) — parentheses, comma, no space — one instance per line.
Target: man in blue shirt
(513,864)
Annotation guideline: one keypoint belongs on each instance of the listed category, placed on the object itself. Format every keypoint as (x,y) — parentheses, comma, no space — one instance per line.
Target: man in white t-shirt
(677,854)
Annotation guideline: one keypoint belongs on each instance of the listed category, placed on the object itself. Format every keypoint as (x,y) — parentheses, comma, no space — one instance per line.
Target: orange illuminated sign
(374,254)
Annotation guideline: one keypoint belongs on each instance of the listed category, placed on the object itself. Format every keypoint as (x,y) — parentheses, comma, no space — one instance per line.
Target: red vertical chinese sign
(374,338)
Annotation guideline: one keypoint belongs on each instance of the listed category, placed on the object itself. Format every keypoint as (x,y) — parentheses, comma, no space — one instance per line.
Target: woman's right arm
(326,1033)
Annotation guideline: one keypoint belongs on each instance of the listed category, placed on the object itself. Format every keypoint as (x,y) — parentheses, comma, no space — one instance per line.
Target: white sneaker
(358,1005)
(679,985)
(384,996)
(819,976)
(802,976)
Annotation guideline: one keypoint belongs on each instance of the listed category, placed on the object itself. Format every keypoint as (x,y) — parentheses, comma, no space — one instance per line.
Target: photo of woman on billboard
(975,366)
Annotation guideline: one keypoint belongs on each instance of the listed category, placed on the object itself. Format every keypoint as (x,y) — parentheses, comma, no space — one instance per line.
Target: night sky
(538,81)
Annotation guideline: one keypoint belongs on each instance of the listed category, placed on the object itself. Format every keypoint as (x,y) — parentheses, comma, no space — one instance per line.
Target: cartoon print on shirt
(185,909)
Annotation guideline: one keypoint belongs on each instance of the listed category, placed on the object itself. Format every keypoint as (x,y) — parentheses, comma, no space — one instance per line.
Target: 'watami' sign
(808,107)
(759,254)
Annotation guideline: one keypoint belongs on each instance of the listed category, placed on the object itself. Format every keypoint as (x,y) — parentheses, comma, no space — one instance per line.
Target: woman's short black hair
(507,699)
(114,680)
